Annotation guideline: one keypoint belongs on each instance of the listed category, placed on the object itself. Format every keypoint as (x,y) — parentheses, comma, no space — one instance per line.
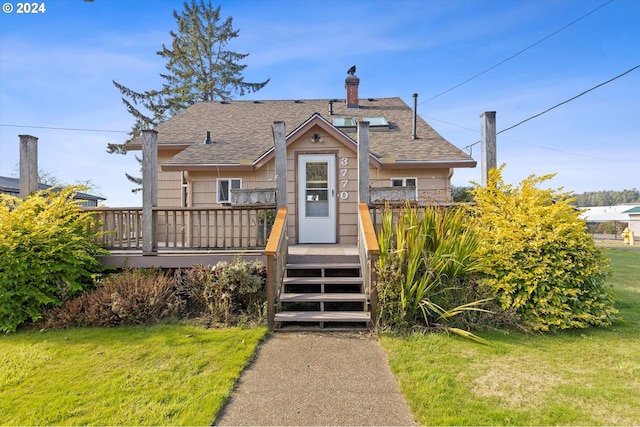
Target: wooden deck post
(363,162)
(488,144)
(272,276)
(28,165)
(149,190)
(280,142)
(276,252)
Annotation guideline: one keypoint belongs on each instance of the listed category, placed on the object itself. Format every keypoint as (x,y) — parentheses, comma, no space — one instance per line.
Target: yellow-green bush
(46,254)
(538,258)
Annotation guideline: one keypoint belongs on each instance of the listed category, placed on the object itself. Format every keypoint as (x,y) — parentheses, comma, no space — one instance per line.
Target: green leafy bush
(132,297)
(47,254)
(228,292)
(426,263)
(538,258)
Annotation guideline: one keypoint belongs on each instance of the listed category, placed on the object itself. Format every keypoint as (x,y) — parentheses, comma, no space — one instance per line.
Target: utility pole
(28,165)
(488,144)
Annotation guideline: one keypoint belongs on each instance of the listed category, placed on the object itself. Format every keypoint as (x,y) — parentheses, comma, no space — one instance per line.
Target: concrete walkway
(324,378)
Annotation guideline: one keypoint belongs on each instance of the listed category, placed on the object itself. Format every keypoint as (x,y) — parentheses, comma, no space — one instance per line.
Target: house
(634,220)
(11,186)
(209,151)
(609,221)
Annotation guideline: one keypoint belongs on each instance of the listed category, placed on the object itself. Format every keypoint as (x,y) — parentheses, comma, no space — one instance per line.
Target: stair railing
(276,252)
(368,251)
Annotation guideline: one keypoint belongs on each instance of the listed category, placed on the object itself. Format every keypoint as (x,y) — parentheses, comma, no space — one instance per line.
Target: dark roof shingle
(241,130)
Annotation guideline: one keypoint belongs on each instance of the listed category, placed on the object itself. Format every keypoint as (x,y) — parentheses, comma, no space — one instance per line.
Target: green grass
(581,377)
(157,375)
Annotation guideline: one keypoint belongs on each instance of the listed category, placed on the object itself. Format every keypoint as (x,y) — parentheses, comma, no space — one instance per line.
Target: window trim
(404,182)
(229,181)
(184,190)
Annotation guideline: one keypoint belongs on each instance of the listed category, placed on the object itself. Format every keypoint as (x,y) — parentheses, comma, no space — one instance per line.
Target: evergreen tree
(606,198)
(461,194)
(199,68)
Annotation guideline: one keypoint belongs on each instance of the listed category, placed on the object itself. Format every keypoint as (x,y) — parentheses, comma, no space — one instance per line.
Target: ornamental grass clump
(426,259)
(538,258)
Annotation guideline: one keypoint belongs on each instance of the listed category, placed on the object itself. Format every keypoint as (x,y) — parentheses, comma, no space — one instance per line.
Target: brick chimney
(351,84)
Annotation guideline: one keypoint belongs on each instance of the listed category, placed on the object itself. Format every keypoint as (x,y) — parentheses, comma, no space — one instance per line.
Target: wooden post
(272,276)
(488,144)
(28,165)
(363,162)
(149,190)
(280,142)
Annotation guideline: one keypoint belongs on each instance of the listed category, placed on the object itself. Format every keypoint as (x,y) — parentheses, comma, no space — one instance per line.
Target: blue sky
(56,70)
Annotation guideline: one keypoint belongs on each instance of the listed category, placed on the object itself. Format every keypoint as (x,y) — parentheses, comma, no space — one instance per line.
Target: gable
(316,122)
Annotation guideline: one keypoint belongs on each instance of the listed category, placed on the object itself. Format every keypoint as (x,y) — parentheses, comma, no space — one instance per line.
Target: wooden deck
(324,285)
(172,259)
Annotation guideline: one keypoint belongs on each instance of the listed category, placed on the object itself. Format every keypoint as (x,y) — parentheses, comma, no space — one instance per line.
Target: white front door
(316,198)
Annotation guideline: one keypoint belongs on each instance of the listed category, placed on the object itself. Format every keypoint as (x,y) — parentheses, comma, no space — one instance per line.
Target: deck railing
(369,251)
(397,206)
(276,252)
(227,227)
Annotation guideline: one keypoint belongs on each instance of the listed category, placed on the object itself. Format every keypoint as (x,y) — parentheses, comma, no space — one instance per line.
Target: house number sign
(344,178)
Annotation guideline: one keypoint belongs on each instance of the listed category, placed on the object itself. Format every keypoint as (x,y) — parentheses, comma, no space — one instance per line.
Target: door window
(317,189)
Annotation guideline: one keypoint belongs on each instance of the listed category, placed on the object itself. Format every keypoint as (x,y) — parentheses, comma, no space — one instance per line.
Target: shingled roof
(11,186)
(241,131)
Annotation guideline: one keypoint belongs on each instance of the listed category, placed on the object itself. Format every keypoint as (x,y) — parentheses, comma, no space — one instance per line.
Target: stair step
(322,259)
(321,280)
(332,266)
(292,297)
(322,316)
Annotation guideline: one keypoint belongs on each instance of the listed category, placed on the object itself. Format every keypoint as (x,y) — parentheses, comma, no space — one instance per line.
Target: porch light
(316,138)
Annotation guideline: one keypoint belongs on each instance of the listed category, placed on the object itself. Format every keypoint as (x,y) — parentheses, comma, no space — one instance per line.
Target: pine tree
(199,68)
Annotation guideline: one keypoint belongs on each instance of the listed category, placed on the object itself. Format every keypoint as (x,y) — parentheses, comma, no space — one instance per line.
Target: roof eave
(181,146)
(426,164)
(206,167)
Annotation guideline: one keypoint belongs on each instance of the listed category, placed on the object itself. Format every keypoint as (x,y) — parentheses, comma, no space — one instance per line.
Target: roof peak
(294,100)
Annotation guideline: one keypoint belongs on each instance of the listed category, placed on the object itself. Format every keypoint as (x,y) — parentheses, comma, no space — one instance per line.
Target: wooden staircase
(323,291)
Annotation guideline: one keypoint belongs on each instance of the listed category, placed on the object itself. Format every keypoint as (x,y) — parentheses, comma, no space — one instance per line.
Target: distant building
(634,220)
(11,186)
(605,220)
(605,213)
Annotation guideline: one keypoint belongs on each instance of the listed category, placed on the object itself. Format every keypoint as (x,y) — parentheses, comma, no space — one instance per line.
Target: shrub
(538,258)
(228,293)
(47,254)
(425,261)
(132,297)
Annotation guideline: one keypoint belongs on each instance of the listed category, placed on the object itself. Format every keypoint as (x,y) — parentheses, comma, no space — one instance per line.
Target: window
(405,182)
(344,122)
(225,185)
(376,121)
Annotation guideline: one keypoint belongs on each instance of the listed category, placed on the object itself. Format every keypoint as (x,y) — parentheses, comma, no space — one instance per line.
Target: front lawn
(580,377)
(157,375)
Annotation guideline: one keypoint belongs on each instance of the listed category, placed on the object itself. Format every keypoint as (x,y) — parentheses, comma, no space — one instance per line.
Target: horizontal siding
(433,184)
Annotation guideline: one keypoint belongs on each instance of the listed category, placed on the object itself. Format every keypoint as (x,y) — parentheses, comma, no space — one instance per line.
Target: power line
(558,105)
(433,119)
(569,100)
(516,54)
(462,127)
(568,152)
(61,128)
